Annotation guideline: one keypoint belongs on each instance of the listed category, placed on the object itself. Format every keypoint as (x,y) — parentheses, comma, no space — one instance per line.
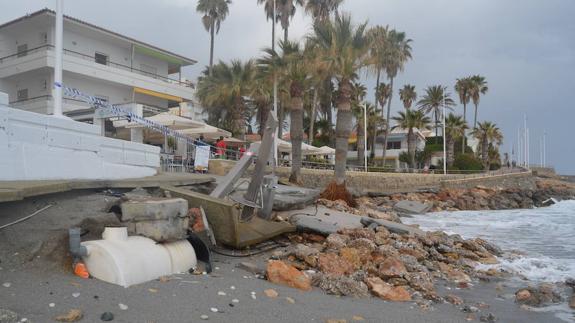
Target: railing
(93,59)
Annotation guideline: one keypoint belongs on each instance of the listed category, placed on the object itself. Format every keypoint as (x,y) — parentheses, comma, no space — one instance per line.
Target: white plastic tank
(127,261)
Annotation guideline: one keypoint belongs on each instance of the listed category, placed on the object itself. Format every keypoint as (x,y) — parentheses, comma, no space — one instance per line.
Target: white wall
(40,147)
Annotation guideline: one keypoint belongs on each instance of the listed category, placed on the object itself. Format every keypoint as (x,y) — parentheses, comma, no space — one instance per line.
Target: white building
(96,61)
(396,144)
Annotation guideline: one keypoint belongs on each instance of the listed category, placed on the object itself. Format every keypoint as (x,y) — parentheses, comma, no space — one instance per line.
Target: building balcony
(87,65)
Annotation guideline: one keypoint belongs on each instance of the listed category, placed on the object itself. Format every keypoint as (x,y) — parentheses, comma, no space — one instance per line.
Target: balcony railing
(93,59)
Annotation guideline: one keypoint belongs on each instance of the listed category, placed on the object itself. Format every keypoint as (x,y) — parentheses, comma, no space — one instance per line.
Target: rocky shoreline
(407,267)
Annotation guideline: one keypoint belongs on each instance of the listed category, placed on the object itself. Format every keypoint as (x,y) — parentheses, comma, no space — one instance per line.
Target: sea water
(539,243)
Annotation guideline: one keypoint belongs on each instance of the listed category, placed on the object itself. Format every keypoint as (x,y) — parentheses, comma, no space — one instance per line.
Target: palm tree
(382,95)
(410,120)
(463,88)
(286,10)
(215,11)
(344,49)
(434,99)
(322,9)
(374,122)
(227,88)
(397,53)
(269,9)
(407,95)
(291,67)
(358,94)
(479,87)
(455,128)
(378,45)
(488,134)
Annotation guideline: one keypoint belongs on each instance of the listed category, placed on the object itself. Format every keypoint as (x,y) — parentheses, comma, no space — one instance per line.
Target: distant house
(116,68)
(396,144)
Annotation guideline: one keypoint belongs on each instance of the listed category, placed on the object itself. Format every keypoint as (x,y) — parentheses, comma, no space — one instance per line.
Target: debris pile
(391,266)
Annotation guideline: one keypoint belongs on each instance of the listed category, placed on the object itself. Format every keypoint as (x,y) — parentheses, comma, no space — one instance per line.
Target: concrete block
(154,209)
(411,207)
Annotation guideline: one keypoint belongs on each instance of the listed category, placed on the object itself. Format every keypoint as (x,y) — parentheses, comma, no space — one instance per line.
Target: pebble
(469,309)
(233,287)
(75,295)
(107,316)
(220,293)
(7,285)
(290,300)
(490,318)
(235,300)
(357,318)
(217,268)
(24,320)
(214,310)
(51,304)
(123,307)
(271,293)
(204,317)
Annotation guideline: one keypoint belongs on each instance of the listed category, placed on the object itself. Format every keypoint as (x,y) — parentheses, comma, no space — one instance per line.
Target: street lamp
(365,136)
(444,141)
(58,51)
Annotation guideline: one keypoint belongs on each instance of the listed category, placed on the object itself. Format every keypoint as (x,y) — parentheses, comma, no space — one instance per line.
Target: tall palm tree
(410,120)
(269,10)
(433,100)
(398,52)
(374,123)
(359,92)
(215,11)
(292,68)
(488,134)
(407,95)
(455,128)
(228,87)
(286,10)
(344,48)
(322,9)
(378,46)
(463,87)
(382,95)
(478,88)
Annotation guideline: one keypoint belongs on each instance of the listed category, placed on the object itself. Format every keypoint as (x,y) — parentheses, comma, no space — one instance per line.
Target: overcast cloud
(525,49)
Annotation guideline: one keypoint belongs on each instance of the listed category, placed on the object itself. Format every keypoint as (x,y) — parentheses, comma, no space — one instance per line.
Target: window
(22,95)
(393,145)
(22,50)
(43,38)
(101,58)
(43,84)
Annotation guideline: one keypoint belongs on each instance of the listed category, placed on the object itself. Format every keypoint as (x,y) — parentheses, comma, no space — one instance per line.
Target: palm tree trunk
(281,117)
(360,141)
(377,82)
(387,120)
(212,28)
(296,136)
(411,147)
(436,125)
(373,140)
(475,118)
(342,131)
(311,135)
(464,120)
(286,34)
(450,151)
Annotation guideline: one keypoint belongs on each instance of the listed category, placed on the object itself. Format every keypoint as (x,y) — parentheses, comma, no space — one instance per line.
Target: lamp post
(444,141)
(365,136)
(58,50)
(275,109)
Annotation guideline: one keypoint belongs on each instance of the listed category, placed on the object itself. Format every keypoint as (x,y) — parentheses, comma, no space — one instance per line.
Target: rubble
(542,295)
(279,272)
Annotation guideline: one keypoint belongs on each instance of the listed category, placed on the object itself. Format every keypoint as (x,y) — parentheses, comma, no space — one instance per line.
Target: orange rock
(392,267)
(280,273)
(522,295)
(351,255)
(386,291)
(332,264)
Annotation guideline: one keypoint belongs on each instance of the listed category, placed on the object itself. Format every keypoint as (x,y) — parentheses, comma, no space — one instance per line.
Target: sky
(524,48)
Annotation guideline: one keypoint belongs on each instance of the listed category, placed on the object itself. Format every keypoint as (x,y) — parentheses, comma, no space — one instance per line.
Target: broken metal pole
(264,154)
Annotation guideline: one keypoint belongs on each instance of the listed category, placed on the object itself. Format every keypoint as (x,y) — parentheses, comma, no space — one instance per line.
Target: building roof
(145,46)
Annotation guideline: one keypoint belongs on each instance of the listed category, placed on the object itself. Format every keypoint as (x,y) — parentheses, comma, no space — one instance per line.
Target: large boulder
(392,267)
(386,291)
(281,273)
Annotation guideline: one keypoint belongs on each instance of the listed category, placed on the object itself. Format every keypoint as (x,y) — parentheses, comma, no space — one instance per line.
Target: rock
(453,299)
(391,267)
(271,293)
(336,241)
(362,243)
(522,295)
(572,302)
(490,318)
(333,264)
(307,254)
(204,317)
(107,316)
(279,272)
(458,276)
(8,316)
(290,300)
(214,310)
(411,207)
(393,226)
(386,291)
(469,309)
(489,246)
(570,282)
(74,315)
(309,223)
(123,307)
(341,285)
(381,237)
(336,321)
(250,267)
(351,255)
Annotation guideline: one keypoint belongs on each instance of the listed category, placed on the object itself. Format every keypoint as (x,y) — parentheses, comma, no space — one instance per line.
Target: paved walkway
(18,190)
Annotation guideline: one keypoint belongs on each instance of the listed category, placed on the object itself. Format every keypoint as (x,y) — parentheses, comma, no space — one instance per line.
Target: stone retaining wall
(361,183)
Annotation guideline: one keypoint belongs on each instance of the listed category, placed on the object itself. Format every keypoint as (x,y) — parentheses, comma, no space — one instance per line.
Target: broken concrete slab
(392,226)
(411,207)
(153,209)
(287,197)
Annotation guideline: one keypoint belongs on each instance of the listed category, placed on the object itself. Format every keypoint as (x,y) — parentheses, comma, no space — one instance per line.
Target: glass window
(393,145)
(22,95)
(101,58)
(22,50)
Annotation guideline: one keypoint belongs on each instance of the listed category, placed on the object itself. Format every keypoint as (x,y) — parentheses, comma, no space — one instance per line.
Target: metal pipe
(76,249)
(58,51)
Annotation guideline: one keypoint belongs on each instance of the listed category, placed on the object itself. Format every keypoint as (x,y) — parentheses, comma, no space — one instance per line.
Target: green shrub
(467,162)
